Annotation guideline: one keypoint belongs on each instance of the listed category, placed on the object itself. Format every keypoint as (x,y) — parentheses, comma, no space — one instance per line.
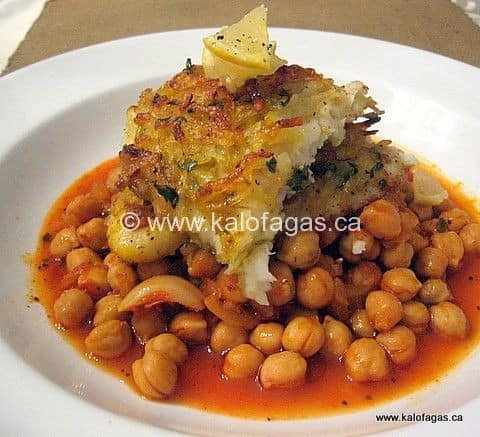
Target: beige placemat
(435,25)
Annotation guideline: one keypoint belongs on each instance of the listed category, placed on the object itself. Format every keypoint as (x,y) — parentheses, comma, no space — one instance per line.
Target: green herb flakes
(168,193)
(188,66)
(272,165)
(442,225)
(299,179)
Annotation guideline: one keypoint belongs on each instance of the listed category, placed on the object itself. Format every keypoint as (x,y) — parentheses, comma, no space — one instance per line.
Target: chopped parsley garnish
(442,225)
(351,171)
(320,169)
(188,66)
(272,165)
(376,154)
(188,165)
(299,179)
(378,166)
(168,193)
(382,183)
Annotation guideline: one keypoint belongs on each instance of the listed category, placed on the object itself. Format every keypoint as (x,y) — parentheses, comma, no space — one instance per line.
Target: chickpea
(338,306)
(72,308)
(107,309)
(448,320)
(170,346)
(356,297)
(93,279)
(451,245)
(267,337)
(190,327)
(142,383)
(304,335)
(398,256)
(415,316)
(202,264)
(122,278)
(109,340)
(283,369)
(470,235)
(326,262)
(431,262)
(111,259)
(337,336)
(361,325)
(456,218)
(146,324)
(80,256)
(225,336)
(382,219)
(384,310)
(418,242)
(430,227)
(365,276)
(315,288)
(243,361)
(64,241)
(283,288)
(446,205)
(83,208)
(93,234)
(401,282)
(328,236)
(299,311)
(434,291)
(409,222)
(113,179)
(229,287)
(300,251)
(423,212)
(154,268)
(355,244)
(365,361)
(373,253)
(160,372)
(400,344)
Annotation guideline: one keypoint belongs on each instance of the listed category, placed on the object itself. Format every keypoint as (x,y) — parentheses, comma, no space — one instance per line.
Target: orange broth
(327,391)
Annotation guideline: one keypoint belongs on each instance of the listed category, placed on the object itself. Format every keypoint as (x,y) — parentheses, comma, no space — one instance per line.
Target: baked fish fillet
(193,149)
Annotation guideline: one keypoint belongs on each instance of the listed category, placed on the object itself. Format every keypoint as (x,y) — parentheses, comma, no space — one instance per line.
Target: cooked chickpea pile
(361,297)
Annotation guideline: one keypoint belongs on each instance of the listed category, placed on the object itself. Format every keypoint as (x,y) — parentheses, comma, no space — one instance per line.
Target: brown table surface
(435,25)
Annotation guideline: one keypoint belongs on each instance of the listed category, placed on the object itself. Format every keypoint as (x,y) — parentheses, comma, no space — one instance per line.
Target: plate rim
(71,52)
(49,62)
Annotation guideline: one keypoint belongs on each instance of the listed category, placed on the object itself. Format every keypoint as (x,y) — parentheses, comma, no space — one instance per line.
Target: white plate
(64,115)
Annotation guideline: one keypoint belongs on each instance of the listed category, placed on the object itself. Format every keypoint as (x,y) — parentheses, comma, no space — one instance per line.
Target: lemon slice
(241,51)
(245,42)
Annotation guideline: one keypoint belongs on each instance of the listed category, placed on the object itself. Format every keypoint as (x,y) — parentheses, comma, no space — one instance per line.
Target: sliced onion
(234,314)
(163,288)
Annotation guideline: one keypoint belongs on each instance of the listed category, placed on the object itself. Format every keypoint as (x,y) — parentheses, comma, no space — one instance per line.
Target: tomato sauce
(327,391)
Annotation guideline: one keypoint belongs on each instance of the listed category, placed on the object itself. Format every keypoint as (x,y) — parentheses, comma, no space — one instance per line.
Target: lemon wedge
(241,51)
